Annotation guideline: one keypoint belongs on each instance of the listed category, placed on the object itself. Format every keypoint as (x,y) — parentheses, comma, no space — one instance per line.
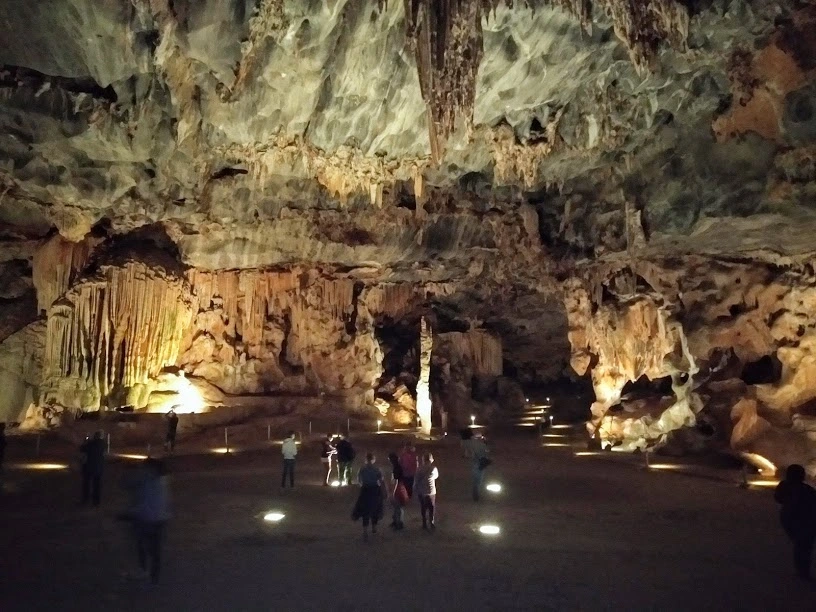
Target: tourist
(289,451)
(399,495)
(369,504)
(426,490)
(408,461)
(798,516)
(92,458)
(172,426)
(327,451)
(150,514)
(476,450)
(345,458)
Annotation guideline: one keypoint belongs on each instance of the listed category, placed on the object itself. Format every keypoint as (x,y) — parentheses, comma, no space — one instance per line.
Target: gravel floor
(577,534)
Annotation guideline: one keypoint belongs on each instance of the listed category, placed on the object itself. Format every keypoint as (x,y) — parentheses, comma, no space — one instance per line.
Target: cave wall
(700,321)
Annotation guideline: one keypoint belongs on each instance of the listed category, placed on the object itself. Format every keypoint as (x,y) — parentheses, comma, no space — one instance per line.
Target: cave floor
(577,534)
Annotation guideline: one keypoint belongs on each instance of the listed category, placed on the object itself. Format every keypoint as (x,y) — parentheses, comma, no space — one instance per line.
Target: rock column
(423,391)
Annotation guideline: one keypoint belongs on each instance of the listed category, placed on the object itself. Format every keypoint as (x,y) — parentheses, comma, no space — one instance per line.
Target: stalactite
(642,26)
(390,299)
(446,36)
(117,329)
(481,349)
(249,296)
(55,265)
(447,40)
(423,403)
(268,21)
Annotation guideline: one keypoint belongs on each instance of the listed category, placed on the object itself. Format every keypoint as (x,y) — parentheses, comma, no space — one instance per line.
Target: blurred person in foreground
(798,516)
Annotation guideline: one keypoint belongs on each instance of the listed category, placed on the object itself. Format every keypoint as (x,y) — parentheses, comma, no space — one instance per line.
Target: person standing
(92,457)
(399,496)
(426,490)
(408,461)
(369,504)
(289,451)
(150,515)
(798,516)
(345,458)
(476,450)
(172,426)
(327,452)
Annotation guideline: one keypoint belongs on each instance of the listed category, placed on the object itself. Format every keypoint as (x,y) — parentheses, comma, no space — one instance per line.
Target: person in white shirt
(289,451)
(425,487)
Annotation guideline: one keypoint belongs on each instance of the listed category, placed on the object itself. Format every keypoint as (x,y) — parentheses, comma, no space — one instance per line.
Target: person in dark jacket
(345,457)
(150,513)
(369,506)
(172,426)
(399,495)
(798,516)
(92,457)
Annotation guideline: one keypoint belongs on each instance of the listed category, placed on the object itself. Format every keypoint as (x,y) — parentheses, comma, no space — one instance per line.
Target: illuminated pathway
(575,533)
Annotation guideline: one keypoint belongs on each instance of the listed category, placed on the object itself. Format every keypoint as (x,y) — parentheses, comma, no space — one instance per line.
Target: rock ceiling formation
(266,196)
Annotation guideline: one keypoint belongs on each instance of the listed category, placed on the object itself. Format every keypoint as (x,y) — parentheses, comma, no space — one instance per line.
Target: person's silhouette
(798,516)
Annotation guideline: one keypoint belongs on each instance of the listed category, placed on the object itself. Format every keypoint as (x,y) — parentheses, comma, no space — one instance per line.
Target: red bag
(401,494)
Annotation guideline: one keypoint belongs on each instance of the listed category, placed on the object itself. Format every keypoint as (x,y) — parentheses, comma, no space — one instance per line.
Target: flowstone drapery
(112,333)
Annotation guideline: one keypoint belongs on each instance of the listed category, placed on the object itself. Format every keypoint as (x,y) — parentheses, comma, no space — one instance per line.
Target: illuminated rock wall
(111,334)
(291,331)
(706,323)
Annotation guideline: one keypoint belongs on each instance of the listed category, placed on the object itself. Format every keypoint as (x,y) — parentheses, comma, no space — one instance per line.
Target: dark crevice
(766,370)
(228,172)
(17,76)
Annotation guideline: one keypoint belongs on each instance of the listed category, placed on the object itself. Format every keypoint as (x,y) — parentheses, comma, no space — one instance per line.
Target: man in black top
(798,516)
(92,456)
(345,457)
(172,425)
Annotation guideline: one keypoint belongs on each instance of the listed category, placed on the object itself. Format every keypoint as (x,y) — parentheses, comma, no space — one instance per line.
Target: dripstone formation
(211,204)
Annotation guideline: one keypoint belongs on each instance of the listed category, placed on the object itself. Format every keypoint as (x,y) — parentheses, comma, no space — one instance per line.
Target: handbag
(401,494)
(484,462)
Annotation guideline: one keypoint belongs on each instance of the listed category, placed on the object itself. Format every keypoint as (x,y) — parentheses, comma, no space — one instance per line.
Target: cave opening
(767,370)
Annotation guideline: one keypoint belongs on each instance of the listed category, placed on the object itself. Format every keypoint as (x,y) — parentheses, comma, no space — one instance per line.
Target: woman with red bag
(399,494)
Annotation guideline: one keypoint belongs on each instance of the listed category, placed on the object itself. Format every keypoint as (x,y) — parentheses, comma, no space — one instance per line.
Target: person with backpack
(345,459)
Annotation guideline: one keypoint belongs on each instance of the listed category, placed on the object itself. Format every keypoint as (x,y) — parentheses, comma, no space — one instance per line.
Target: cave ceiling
(492,144)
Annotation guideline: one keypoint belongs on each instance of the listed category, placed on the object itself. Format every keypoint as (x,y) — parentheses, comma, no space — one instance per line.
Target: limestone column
(423,403)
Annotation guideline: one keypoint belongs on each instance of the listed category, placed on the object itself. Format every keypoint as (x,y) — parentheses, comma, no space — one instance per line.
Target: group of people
(410,475)
(336,453)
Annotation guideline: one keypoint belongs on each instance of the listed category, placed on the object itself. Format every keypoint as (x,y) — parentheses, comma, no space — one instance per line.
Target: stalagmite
(423,403)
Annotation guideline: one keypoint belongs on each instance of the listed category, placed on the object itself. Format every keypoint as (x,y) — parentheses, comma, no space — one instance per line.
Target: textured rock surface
(624,187)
